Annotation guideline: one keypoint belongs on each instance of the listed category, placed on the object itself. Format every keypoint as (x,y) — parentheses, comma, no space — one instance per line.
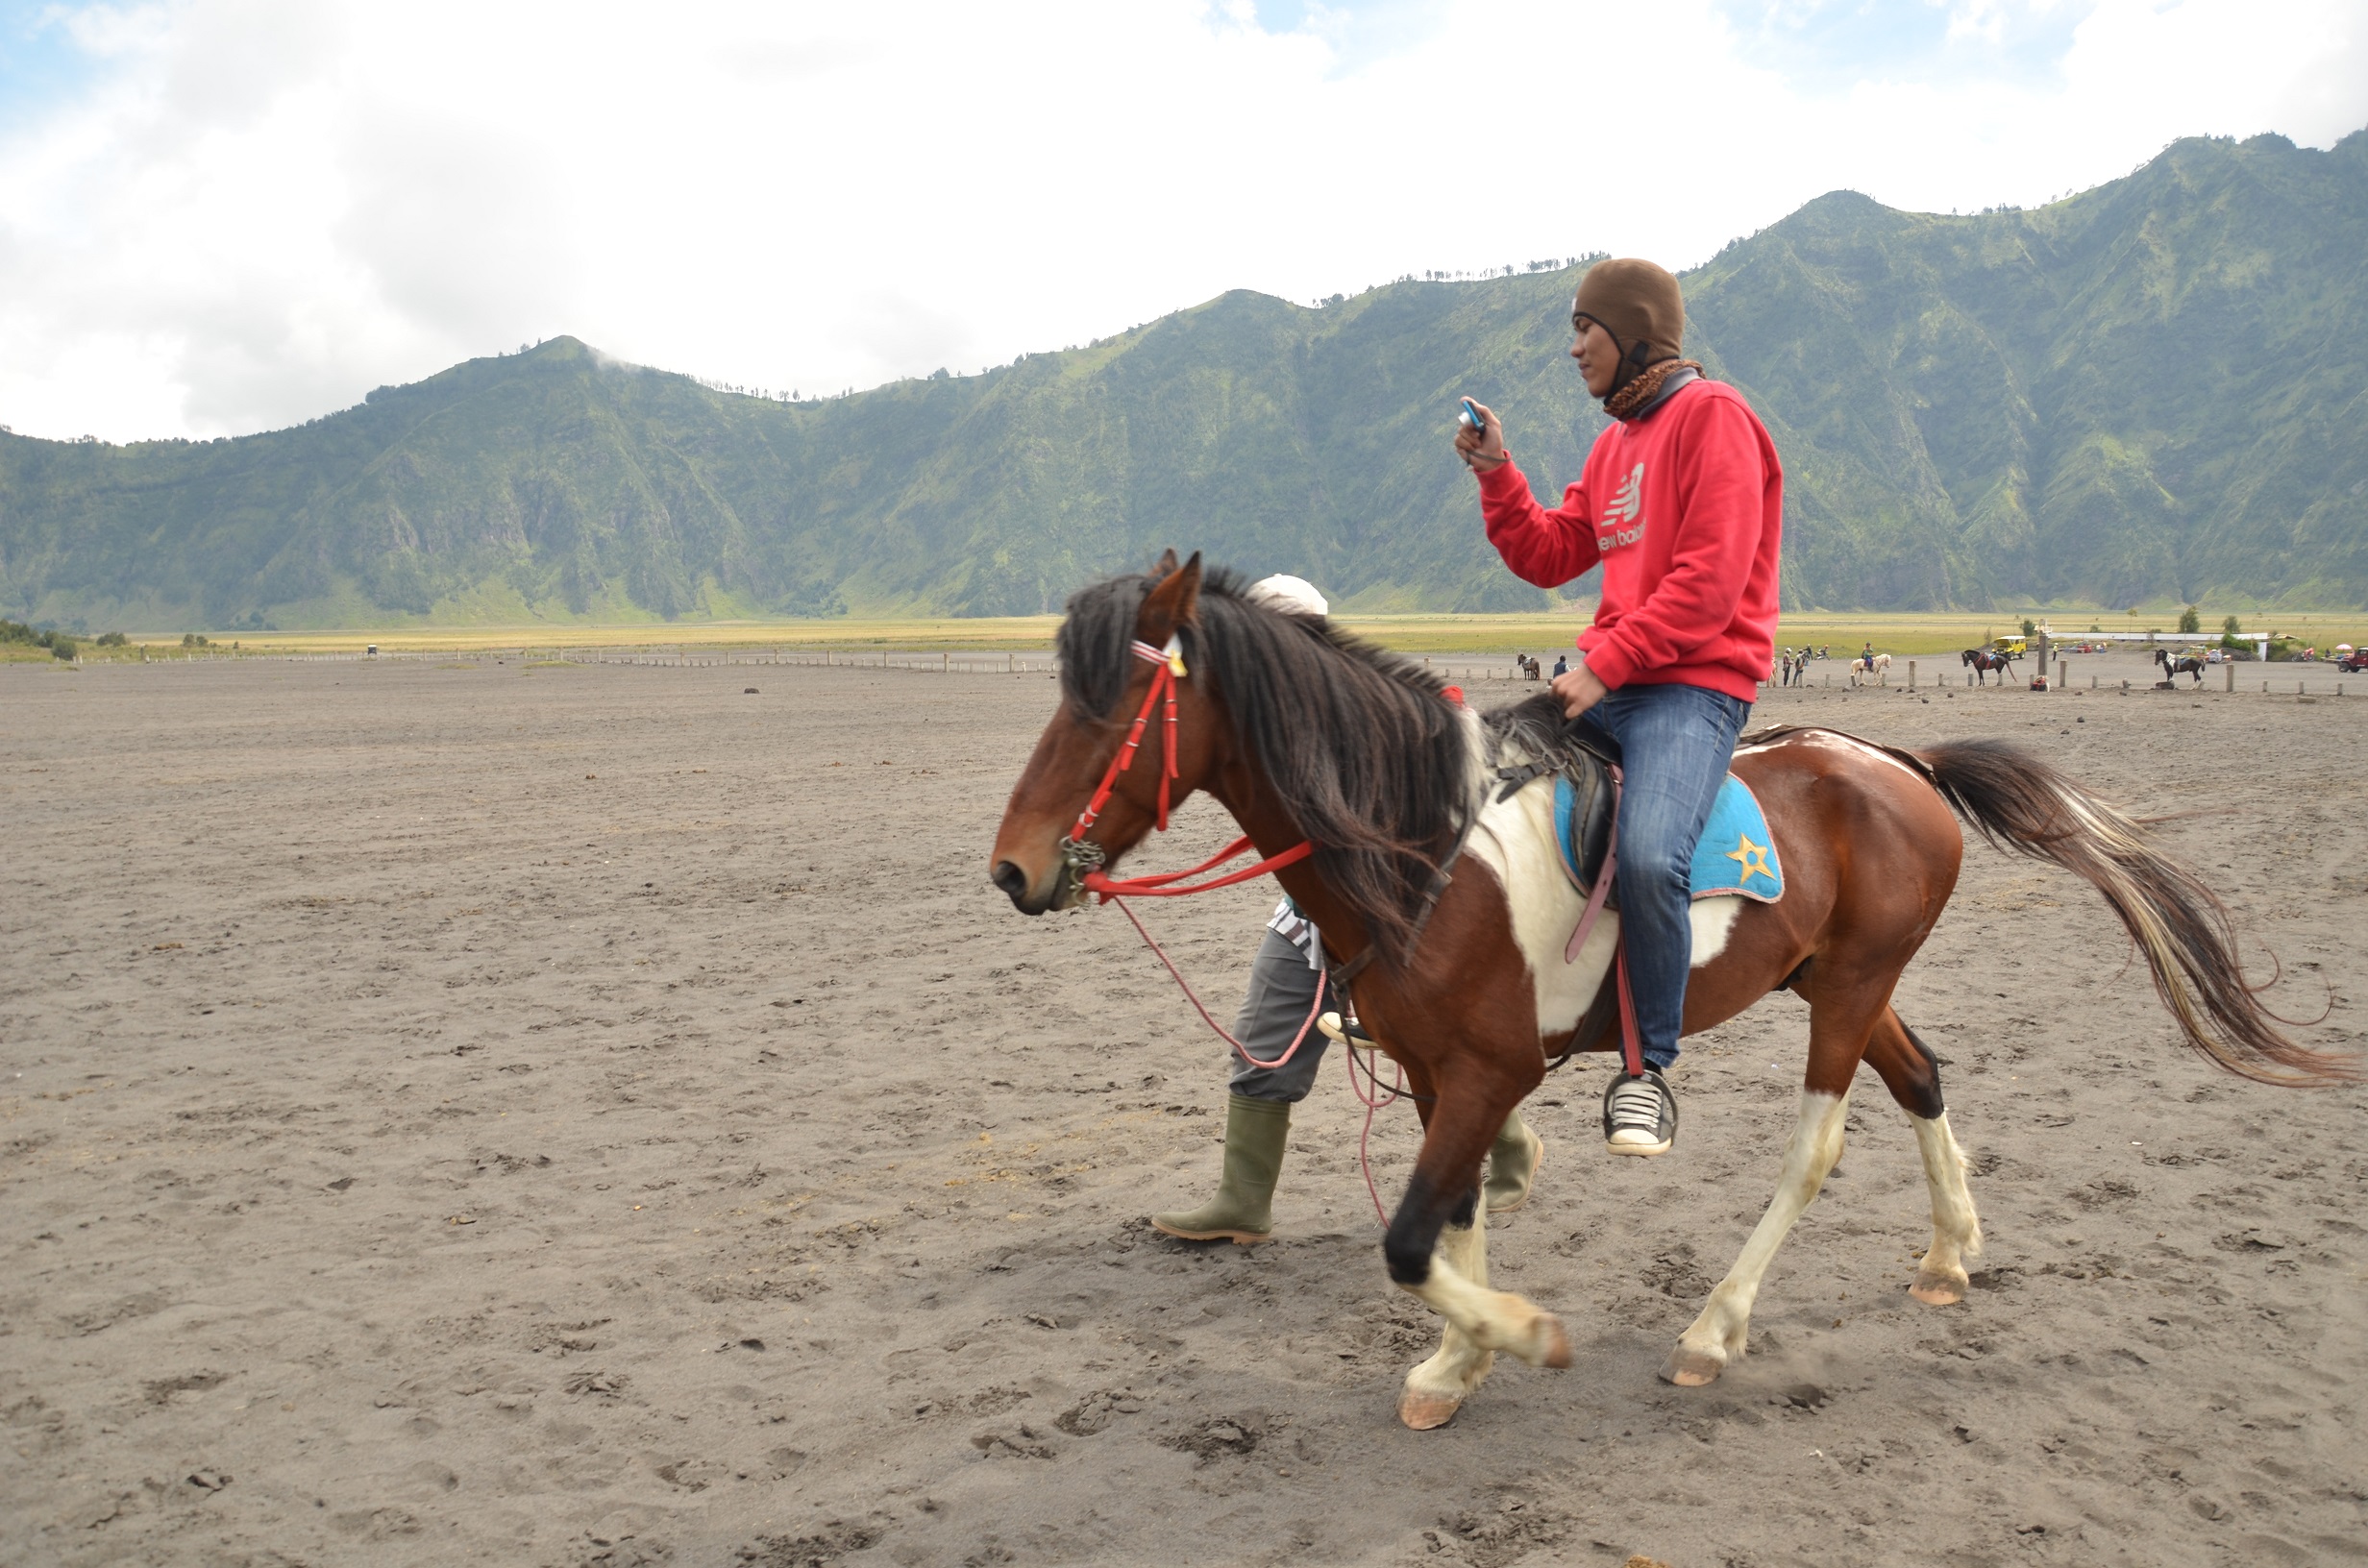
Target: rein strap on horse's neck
(1169,661)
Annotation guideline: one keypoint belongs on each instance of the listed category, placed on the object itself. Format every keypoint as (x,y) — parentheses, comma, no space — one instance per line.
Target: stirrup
(1640,1113)
(1348,1031)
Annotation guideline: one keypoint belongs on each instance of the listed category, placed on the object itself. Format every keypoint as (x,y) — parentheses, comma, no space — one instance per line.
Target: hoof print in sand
(1219,1438)
(1023,1442)
(602,1551)
(995,1401)
(1096,1411)
(604,1385)
(1514,1530)
(825,1547)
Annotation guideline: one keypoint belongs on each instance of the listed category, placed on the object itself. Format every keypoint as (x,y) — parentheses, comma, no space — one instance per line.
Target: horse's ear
(1165,566)
(1176,602)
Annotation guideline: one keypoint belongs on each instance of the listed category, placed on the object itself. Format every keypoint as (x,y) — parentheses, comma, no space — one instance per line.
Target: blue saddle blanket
(1735,854)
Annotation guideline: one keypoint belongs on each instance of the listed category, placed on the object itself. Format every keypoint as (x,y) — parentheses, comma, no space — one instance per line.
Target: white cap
(1293,596)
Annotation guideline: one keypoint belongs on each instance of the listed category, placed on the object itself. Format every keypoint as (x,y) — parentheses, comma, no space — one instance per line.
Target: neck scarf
(1644,387)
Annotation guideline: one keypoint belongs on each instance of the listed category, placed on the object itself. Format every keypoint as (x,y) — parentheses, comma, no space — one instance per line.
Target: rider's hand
(1580,690)
(1483,449)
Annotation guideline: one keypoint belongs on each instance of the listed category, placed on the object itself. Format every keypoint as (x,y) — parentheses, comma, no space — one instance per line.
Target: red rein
(1169,661)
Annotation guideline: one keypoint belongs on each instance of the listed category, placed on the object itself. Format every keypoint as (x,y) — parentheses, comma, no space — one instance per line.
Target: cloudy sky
(219,216)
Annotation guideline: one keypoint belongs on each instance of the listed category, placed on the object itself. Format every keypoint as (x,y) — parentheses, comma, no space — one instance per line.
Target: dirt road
(575,1116)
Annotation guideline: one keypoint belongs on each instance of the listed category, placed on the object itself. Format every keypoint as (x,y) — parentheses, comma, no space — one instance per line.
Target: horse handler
(1681,502)
(1283,981)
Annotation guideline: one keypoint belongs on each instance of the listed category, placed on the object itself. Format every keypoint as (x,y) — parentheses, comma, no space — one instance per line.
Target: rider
(1283,981)
(1681,501)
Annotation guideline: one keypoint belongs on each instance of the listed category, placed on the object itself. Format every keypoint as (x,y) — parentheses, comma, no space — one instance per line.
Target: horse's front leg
(1436,1388)
(1437,1249)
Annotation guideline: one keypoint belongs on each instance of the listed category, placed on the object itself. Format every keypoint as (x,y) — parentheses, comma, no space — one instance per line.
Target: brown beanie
(1636,301)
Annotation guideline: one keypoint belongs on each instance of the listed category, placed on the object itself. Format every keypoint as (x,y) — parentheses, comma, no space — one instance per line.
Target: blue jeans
(1675,743)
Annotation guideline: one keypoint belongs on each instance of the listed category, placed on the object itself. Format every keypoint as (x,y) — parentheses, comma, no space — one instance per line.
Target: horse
(1373,794)
(1879,665)
(1984,660)
(2187,664)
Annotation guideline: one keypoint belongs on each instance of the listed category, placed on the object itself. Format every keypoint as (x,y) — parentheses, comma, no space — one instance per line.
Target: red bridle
(1085,857)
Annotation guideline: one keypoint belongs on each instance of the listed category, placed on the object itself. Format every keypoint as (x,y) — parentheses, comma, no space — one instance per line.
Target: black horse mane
(1361,745)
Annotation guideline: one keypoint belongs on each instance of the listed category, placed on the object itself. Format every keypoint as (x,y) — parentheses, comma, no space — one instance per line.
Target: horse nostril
(1011,880)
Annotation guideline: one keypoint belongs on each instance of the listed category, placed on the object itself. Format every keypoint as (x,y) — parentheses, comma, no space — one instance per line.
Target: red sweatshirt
(1685,508)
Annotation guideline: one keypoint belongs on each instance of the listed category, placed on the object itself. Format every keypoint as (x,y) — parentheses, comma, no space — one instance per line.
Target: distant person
(1562,666)
(1283,981)
(1681,502)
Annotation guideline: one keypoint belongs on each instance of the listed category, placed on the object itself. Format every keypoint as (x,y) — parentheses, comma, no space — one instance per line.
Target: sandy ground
(582,1116)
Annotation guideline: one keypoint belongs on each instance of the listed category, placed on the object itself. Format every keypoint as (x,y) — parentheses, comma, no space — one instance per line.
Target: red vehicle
(2353,662)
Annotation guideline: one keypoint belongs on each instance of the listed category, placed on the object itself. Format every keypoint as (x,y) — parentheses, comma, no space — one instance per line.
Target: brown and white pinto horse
(1304,733)
(1983,660)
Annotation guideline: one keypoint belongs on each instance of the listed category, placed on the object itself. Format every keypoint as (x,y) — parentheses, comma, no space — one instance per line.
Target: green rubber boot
(1244,1208)
(1513,1164)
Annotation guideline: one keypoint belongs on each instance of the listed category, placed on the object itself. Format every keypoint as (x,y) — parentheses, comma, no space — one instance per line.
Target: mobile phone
(1471,415)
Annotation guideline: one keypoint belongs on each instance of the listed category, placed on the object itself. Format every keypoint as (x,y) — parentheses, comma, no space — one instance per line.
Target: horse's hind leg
(1718,1338)
(1912,1074)
(1842,1014)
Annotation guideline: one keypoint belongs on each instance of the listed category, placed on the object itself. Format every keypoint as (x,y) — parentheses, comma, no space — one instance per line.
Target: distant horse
(1984,660)
(1879,665)
(2187,664)
(1440,896)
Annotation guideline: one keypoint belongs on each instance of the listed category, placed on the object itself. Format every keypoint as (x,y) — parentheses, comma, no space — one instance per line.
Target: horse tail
(2020,803)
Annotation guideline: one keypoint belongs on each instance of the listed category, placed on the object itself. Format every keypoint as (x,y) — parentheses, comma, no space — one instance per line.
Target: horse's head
(1103,687)
(1302,731)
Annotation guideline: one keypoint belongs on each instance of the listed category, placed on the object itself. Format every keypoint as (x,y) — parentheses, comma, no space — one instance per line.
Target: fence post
(1912,675)
(2230,668)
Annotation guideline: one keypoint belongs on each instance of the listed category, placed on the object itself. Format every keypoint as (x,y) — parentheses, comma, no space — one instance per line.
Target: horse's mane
(1360,744)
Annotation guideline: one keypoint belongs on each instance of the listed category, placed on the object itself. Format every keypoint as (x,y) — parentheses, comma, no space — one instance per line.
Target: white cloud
(258,209)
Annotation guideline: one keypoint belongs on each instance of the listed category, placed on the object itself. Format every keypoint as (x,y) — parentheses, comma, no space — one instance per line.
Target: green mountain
(2153,391)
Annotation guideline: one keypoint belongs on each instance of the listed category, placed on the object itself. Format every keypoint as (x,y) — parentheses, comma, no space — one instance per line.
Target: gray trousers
(1281,990)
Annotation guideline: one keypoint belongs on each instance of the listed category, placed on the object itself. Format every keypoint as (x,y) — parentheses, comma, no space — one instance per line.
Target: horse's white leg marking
(1957,1229)
(1438,1387)
(1480,1321)
(1717,1337)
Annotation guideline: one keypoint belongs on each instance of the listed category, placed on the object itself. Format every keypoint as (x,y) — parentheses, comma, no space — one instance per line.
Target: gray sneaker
(1639,1115)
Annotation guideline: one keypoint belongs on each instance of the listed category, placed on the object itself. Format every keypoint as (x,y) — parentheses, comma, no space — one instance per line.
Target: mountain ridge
(2151,391)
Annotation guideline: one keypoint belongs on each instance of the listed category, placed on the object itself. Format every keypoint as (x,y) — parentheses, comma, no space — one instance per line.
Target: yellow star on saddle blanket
(1751,857)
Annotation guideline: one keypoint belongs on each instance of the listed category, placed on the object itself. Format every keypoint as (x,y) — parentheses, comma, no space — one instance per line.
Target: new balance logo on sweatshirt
(1624,508)
(1694,603)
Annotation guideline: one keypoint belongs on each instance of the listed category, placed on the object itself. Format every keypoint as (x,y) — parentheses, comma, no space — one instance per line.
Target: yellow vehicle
(2009,644)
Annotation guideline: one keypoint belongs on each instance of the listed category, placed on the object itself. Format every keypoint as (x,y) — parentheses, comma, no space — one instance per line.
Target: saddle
(1735,854)
(1585,799)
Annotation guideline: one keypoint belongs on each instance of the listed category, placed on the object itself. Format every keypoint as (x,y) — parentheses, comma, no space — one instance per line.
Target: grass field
(1890,633)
